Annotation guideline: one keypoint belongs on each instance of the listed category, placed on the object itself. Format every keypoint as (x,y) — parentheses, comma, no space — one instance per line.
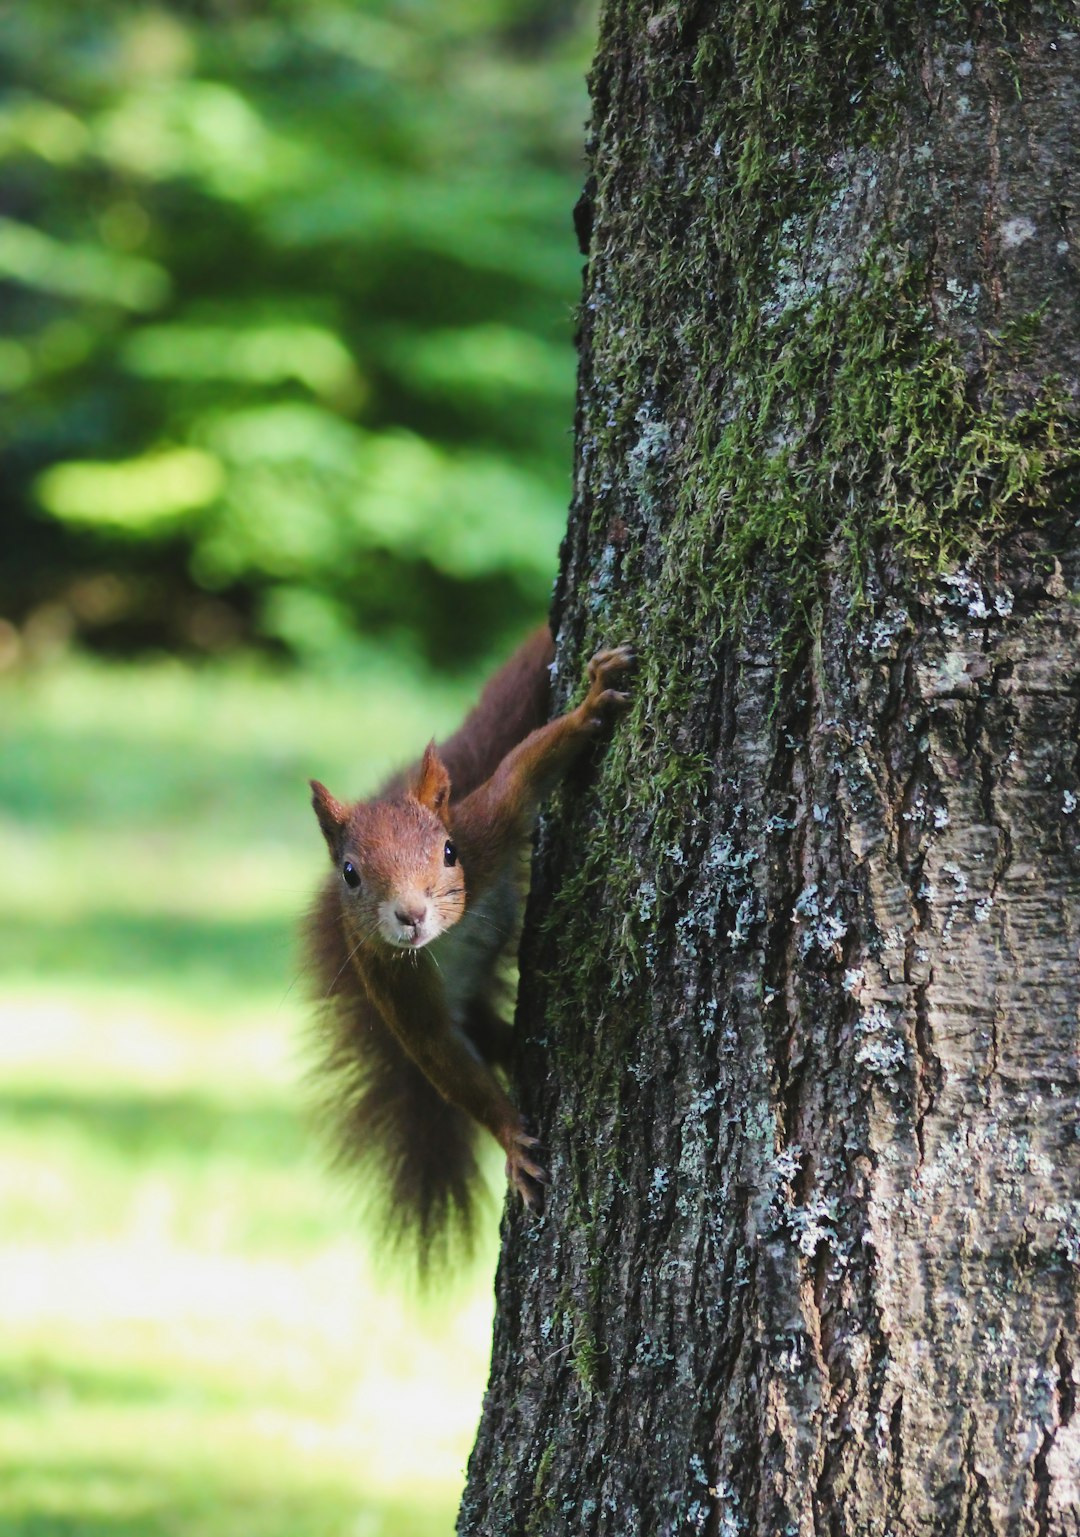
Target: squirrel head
(401,880)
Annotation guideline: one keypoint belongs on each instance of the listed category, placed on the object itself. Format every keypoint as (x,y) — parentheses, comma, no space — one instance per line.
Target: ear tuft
(332,816)
(432,788)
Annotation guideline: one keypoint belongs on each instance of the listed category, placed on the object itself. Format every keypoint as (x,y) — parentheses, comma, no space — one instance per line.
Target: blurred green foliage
(288,295)
(195,1338)
(286,364)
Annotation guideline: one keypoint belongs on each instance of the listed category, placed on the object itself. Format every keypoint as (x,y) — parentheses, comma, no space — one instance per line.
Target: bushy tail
(412,1154)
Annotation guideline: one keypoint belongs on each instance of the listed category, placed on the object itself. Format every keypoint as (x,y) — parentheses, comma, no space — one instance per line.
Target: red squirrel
(408,932)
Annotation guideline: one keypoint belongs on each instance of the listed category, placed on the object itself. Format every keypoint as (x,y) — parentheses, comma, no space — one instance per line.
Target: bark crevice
(800,1003)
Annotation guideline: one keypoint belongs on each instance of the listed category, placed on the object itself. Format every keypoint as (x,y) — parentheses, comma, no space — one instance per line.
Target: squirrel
(406,938)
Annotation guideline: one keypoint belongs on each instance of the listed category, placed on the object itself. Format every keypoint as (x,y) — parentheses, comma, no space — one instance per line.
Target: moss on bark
(778,974)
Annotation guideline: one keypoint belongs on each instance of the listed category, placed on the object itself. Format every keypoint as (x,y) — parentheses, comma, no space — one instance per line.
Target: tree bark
(800,992)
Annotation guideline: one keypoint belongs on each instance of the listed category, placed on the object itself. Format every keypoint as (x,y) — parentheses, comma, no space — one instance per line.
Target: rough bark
(800,993)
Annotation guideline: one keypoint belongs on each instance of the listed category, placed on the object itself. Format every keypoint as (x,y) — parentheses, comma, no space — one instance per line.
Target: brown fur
(406,950)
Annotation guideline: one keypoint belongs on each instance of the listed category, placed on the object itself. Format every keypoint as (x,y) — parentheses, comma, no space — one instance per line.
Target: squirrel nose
(409,917)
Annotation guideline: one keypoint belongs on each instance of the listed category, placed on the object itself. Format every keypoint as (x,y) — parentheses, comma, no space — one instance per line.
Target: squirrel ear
(432,788)
(331,814)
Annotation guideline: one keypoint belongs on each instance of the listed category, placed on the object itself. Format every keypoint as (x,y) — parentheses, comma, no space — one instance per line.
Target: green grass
(194,1336)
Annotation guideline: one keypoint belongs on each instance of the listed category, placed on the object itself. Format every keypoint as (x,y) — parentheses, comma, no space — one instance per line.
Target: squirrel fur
(406,938)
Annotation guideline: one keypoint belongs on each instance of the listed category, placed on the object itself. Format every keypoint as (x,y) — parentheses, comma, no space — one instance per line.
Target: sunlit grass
(194,1336)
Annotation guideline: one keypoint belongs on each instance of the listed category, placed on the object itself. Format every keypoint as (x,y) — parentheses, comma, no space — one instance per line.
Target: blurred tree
(288,293)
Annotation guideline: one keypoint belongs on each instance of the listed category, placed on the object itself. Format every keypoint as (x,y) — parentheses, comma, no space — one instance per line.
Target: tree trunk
(800,988)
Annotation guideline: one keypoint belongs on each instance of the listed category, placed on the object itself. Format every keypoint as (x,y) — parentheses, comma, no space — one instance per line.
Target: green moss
(770,397)
(542,1510)
(585,1358)
(832,408)
(861,425)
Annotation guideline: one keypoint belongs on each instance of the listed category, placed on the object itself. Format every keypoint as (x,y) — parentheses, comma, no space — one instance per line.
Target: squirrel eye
(449,853)
(349,873)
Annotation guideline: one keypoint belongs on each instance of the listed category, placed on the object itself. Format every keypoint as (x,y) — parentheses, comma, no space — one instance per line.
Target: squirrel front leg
(492,822)
(489,826)
(426,1032)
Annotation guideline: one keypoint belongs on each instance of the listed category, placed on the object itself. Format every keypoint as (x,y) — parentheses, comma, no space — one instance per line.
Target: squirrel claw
(618,659)
(535,1171)
(531,1198)
(530,1187)
(604,669)
(528,1177)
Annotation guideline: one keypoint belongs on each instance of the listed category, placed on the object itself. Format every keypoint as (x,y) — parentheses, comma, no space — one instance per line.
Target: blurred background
(286,391)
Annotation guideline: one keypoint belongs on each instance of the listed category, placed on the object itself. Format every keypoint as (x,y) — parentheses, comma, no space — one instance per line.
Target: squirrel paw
(604,669)
(526,1175)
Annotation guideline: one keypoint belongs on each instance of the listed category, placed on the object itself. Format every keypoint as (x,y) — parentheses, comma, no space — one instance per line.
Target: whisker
(483,918)
(361,941)
(285,995)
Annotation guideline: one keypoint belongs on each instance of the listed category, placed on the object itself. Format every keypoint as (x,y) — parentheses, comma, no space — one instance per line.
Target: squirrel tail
(415,1154)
